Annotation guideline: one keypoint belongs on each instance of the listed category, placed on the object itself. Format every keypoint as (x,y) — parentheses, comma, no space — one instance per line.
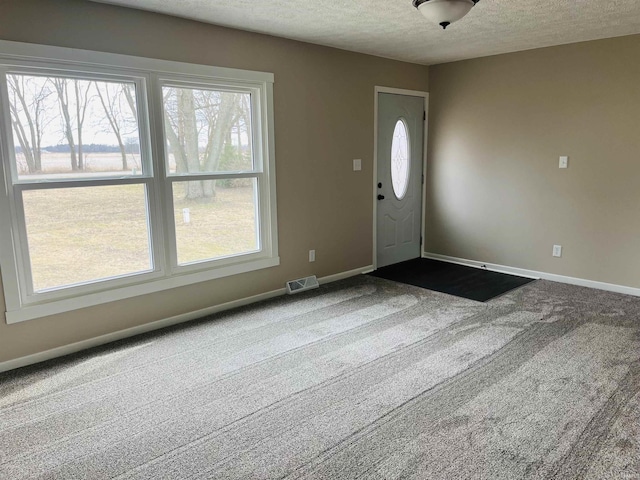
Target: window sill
(54,307)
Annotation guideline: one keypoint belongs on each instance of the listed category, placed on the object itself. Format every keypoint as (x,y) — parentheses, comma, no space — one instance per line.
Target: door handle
(380,197)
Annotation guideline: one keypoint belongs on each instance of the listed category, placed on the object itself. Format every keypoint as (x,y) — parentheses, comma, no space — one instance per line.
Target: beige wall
(497,127)
(324,119)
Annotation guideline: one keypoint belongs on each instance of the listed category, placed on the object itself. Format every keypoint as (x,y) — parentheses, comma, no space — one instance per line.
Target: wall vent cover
(302,284)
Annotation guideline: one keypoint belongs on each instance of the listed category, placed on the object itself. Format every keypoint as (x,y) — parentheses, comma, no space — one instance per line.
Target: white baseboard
(347,274)
(534,274)
(166,322)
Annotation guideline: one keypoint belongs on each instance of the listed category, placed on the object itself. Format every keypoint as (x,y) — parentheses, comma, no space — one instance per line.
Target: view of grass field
(221,227)
(71,240)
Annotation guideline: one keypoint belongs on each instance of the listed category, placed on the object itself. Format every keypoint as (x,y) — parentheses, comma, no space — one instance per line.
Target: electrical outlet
(312,255)
(557,250)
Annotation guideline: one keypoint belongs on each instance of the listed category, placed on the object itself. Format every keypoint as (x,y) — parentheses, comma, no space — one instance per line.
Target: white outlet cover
(312,255)
(357,164)
(557,251)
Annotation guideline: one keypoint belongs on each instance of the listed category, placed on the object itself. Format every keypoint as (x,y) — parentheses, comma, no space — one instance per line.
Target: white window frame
(149,75)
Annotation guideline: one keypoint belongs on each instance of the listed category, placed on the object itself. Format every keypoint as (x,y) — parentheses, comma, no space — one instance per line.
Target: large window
(129,177)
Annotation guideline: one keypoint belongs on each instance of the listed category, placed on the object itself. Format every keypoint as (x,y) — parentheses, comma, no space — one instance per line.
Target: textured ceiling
(394,29)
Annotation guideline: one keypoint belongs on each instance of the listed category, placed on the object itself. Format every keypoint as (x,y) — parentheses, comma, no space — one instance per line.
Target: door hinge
(423,178)
(424,116)
(420,240)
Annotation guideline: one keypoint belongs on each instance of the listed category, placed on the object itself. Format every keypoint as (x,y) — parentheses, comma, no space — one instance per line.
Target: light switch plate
(357,164)
(564,162)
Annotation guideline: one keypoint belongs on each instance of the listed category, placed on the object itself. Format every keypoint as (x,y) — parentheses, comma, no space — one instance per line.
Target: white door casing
(399,166)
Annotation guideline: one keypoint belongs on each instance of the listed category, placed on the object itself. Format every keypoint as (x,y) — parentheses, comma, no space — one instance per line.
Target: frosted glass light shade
(445,12)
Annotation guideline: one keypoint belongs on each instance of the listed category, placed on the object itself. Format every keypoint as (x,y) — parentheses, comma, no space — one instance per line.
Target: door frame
(410,93)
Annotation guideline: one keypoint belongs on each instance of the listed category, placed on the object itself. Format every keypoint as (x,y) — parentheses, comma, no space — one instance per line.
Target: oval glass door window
(400,159)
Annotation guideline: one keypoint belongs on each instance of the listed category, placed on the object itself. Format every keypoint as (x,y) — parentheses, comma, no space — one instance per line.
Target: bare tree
(181,129)
(73,125)
(129,95)
(111,98)
(220,114)
(60,84)
(28,105)
(82,101)
(195,117)
(243,125)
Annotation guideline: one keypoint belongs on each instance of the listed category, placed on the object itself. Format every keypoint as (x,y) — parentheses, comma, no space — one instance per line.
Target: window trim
(165,275)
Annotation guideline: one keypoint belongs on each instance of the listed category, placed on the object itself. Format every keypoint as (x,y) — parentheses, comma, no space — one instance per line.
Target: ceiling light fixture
(444,12)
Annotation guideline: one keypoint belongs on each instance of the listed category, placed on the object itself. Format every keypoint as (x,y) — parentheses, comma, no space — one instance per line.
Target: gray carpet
(364,378)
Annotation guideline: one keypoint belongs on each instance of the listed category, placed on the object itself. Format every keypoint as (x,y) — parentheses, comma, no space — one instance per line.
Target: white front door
(399,188)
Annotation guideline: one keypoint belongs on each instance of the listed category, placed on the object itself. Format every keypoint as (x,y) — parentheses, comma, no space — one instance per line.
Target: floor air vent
(302,284)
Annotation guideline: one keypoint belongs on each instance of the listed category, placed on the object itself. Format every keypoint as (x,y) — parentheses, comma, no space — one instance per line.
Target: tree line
(132,148)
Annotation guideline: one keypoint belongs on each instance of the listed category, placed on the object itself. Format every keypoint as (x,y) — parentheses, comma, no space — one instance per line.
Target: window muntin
(400,164)
(22,300)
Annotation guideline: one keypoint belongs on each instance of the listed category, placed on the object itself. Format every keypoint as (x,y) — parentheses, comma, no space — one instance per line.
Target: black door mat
(467,282)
